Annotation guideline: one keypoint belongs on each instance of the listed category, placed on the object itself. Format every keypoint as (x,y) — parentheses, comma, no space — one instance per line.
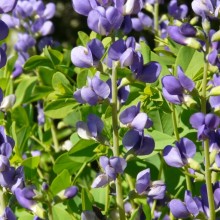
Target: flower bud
(68,193)
(8,102)
(194,164)
(88,215)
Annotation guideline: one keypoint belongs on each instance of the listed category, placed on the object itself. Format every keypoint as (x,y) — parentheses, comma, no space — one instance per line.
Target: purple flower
(138,143)
(104,21)
(25,41)
(129,7)
(179,155)
(25,197)
(91,129)
(123,92)
(68,193)
(88,215)
(112,167)
(177,11)
(207,8)
(4,30)
(154,190)
(83,7)
(191,205)
(7,6)
(96,91)
(204,124)
(12,178)
(3,57)
(47,41)
(6,143)
(40,113)
(215,100)
(8,214)
(185,35)
(85,57)
(132,117)
(143,181)
(143,21)
(175,90)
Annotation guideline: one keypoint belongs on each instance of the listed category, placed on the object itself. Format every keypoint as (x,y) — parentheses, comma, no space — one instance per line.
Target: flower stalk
(208,173)
(119,195)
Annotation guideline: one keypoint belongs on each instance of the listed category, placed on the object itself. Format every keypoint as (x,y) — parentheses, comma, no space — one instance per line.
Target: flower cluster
(177,90)
(31,19)
(196,207)
(135,140)
(5,7)
(103,17)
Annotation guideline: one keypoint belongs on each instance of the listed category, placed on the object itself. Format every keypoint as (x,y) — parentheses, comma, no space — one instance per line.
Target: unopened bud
(194,164)
(191,42)
(8,102)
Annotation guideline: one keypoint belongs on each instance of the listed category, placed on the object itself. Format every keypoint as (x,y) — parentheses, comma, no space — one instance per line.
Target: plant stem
(107,198)
(156,18)
(175,126)
(2,202)
(208,173)
(54,137)
(119,195)
(50,212)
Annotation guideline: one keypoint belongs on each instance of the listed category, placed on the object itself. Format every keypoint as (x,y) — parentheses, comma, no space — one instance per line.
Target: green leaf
(61,84)
(37,61)
(55,56)
(162,121)
(82,77)
(31,162)
(46,75)
(24,90)
(60,108)
(146,52)
(188,59)
(84,38)
(62,181)
(10,66)
(59,213)
(161,139)
(99,195)
(87,200)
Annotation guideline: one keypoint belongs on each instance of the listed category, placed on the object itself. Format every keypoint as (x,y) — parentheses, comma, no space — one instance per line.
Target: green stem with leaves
(54,137)
(208,172)
(119,195)
(156,18)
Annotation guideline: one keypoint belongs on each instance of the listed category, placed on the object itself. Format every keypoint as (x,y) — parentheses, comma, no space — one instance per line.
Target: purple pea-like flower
(207,8)
(7,6)
(12,178)
(25,41)
(96,91)
(8,214)
(88,215)
(191,206)
(83,7)
(184,35)
(179,155)
(177,11)
(137,142)
(123,92)
(25,197)
(205,124)
(112,167)
(154,190)
(215,100)
(104,21)
(142,181)
(92,129)
(4,30)
(40,113)
(89,56)
(68,193)
(132,117)
(143,21)
(175,90)
(3,56)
